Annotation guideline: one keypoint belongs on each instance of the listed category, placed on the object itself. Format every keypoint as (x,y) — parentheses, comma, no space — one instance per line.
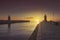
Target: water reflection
(17,30)
(9,29)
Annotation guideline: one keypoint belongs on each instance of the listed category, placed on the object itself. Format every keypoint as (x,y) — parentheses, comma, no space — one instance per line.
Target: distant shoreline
(12,21)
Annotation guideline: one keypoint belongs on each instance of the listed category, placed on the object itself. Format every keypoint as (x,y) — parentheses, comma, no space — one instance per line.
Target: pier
(46,31)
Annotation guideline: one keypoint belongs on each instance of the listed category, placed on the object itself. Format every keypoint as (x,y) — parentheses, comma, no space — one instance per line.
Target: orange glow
(37,21)
(36,16)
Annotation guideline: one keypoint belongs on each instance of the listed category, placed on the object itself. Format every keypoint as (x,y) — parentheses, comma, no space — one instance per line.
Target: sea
(17,31)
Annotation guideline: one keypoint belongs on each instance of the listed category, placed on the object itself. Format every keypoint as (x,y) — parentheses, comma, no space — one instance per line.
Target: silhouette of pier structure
(9,21)
(45,18)
(9,25)
(46,31)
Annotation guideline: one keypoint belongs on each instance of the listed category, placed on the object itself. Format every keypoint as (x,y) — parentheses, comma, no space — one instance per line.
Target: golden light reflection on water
(32,25)
(34,22)
(37,20)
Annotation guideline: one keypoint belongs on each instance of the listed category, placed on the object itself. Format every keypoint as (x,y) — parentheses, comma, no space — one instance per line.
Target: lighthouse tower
(45,18)
(9,21)
(8,18)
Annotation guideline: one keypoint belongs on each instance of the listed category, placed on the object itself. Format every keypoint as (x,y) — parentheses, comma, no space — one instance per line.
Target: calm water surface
(21,30)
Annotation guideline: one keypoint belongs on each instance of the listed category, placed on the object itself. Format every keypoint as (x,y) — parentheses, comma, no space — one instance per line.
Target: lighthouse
(45,18)
(9,21)
(8,18)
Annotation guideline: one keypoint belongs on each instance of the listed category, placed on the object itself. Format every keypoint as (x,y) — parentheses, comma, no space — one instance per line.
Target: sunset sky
(33,9)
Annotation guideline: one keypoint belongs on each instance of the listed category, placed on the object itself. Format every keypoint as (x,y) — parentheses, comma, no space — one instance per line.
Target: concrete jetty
(46,31)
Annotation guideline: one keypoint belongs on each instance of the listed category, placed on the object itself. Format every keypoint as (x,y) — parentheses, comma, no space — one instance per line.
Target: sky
(29,9)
